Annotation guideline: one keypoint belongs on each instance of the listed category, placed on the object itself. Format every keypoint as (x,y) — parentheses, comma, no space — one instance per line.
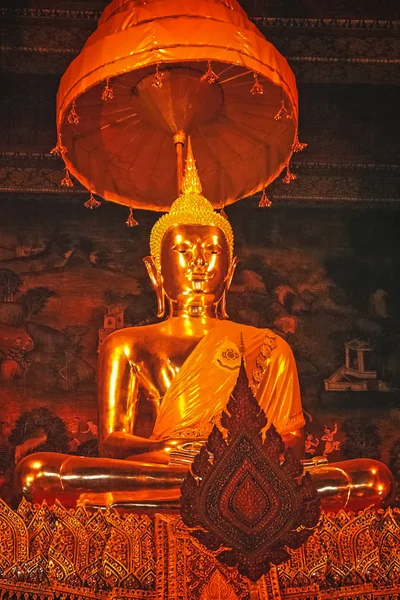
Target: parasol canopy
(158,71)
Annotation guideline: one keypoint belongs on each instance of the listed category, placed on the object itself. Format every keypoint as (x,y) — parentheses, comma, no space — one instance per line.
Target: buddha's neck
(193,310)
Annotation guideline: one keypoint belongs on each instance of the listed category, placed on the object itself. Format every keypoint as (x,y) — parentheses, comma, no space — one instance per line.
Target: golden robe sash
(201,389)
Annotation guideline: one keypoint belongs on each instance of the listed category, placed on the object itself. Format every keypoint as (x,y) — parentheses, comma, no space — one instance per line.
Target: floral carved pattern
(246,498)
(137,557)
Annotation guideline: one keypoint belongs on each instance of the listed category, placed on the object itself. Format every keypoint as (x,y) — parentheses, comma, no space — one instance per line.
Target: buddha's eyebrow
(213,240)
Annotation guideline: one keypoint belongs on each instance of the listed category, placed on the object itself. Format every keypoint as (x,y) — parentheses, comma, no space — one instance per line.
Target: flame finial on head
(191,181)
(191,208)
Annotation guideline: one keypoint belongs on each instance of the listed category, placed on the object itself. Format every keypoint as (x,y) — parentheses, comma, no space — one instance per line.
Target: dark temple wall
(320,266)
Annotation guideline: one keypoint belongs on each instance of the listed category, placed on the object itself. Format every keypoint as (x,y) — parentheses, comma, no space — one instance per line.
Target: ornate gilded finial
(191,208)
(242,348)
(191,181)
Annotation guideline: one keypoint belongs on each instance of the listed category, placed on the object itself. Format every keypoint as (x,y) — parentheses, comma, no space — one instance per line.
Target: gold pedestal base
(58,553)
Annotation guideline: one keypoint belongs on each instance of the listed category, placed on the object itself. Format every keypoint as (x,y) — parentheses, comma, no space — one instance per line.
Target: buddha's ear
(156,282)
(231,272)
(222,302)
(152,271)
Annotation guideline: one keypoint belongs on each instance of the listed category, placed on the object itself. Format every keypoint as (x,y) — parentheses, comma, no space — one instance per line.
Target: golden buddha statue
(187,366)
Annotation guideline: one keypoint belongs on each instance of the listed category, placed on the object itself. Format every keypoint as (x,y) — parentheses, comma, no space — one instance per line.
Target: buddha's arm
(118,392)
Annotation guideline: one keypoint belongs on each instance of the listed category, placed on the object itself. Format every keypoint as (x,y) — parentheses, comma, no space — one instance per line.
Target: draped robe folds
(201,389)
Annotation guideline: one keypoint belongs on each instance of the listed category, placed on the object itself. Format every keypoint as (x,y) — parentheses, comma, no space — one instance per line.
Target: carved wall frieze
(45,37)
(291,59)
(53,162)
(307,69)
(50,13)
(298,22)
(39,49)
(104,556)
(37,40)
(317,182)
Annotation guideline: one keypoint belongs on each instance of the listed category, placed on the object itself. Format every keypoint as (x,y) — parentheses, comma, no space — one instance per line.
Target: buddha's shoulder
(262,336)
(132,337)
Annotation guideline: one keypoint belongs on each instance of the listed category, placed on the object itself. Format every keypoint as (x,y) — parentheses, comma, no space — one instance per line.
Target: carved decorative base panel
(54,553)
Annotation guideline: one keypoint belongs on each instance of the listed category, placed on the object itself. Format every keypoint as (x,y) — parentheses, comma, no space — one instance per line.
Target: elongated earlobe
(156,282)
(222,306)
(222,302)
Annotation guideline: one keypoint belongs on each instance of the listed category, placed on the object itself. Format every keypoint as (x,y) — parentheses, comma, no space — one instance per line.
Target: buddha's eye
(214,249)
(181,248)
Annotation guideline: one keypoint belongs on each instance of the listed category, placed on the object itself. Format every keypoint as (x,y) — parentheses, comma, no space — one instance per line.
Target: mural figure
(15,346)
(330,444)
(310,445)
(92,430)
(73,430)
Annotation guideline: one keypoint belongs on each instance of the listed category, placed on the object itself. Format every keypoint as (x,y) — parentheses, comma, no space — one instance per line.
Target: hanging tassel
(131,221)
(157,81)
(67,181)
(223,213)
(289,177)
(283,113)
(257,88)
(108,91)
(92,202)
(59,149)
(298,146)
(210,76)
(265,202)
(73,118)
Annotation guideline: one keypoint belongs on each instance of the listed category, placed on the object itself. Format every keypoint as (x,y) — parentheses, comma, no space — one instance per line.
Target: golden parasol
(157,71)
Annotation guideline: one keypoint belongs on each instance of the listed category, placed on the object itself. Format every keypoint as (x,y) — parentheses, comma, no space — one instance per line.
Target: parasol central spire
(191,183)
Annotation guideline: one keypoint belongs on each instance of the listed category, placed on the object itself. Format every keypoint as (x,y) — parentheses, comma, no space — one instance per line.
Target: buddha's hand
(182,451)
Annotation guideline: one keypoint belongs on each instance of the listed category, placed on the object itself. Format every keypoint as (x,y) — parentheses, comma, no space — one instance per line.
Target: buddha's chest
(160,364)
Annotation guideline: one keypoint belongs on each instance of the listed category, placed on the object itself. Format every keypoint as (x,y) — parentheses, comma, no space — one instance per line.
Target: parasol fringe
(91,203)
(257,88)
(210,76)
(73,117)
(298,146)
(67,181)
(289,177)
(157,81)
(59,149)
(131,221)
(108,91)
(283,113)
(265,202)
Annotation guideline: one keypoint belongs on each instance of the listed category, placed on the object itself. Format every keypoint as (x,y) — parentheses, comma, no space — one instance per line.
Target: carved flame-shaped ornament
(246,498)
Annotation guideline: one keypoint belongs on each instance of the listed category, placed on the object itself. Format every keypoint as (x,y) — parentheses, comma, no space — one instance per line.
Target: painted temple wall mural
(327,280)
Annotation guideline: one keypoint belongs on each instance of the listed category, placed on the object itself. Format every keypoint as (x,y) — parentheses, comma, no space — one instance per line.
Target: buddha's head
(191,262)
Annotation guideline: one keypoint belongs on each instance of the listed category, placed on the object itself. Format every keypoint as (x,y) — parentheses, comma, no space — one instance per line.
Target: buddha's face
(195,263)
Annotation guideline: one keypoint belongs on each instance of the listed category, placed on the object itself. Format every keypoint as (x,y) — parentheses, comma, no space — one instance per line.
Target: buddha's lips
(200,276)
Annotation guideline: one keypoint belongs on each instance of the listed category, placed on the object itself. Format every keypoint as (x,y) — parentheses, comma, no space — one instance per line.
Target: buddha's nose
(198,259)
